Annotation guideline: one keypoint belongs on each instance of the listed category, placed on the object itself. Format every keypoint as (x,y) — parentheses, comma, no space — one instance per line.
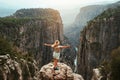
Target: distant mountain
(86,14)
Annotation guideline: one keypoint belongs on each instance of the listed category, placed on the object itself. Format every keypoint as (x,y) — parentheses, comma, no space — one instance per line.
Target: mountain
(98,39)
(22,38)
(85,15)
(29,29)
(17,69)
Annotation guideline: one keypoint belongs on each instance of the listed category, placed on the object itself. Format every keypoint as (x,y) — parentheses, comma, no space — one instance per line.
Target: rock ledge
(64,73)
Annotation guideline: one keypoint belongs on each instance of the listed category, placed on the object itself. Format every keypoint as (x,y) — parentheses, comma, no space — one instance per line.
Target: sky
(57,4)
(67,8)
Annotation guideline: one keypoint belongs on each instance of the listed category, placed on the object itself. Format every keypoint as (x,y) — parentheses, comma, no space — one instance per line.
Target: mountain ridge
(85,15)
(29,34)
(97,41)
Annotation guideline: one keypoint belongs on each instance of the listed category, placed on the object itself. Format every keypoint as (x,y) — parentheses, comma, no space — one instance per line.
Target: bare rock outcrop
(63,73)
(96,74)
(16,69)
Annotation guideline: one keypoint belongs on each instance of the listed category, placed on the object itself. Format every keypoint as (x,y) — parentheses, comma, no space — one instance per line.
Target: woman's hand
(45,44)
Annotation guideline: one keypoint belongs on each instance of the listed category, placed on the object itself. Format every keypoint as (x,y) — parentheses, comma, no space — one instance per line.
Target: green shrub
(115,64)
(5,47)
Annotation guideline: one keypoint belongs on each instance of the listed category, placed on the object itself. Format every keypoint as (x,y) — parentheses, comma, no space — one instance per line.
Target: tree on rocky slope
(115,64)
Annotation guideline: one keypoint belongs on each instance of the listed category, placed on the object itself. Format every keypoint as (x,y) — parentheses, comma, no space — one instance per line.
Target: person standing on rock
(56,53)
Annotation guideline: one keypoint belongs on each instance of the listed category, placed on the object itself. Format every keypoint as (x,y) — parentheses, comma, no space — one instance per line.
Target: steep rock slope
(97,40)
(20,69)
(17,69)
(14,66)
(29,29)
(86,14)
(68,55)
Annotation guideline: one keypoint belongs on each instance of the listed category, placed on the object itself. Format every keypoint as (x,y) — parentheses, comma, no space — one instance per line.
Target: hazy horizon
(68,9)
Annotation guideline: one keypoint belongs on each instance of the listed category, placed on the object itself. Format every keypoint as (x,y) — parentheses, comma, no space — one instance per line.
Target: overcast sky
(57,4)
(66,7)
(50,3)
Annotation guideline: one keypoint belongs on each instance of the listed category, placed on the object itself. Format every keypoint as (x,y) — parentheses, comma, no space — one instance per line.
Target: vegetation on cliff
(115,64)
(29,29)
(97,40)
(110,14)
(37,13)
(7,48)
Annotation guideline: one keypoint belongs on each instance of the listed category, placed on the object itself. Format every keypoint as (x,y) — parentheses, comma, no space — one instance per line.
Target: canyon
(93,36)
(87,13)
(27,30)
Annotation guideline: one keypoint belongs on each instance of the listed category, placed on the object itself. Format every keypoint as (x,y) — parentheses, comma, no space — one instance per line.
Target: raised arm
(65,46)
(48,44)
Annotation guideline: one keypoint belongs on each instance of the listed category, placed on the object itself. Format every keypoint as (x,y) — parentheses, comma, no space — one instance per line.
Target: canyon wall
(86,14)
(29,29)
(97,40)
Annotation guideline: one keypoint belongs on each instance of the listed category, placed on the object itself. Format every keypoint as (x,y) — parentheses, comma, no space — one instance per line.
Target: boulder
(64,72)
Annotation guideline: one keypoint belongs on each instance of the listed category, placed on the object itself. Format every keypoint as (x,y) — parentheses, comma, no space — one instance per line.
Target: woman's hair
(57,42)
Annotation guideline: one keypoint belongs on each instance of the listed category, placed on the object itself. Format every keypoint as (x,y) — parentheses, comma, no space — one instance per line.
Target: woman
(56,53)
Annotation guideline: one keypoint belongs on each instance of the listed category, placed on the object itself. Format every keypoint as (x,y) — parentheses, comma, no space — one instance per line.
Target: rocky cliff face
(85,15)
(15,69)
(29,29)
(97,40)
(68,55)
(20,69)
(96,75)
(14,66)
